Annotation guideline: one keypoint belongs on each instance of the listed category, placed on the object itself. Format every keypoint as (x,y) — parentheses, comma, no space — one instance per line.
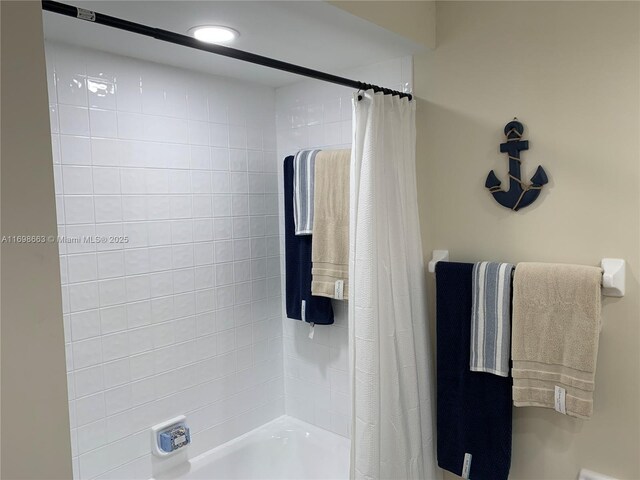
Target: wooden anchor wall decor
(520,194)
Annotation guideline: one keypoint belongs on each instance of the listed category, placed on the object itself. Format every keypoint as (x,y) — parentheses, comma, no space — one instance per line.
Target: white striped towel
(303,183)
(491,318)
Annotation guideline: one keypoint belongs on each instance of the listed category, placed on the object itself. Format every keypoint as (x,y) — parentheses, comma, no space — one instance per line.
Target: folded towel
(491,318)
(301,305)
(556,326)
(303,185)
(474,408)
(330,251)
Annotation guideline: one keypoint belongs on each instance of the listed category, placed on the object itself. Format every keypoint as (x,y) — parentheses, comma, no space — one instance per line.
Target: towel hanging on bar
(330,248)
(303,188)
(556,326)
(301,305)
(491,318)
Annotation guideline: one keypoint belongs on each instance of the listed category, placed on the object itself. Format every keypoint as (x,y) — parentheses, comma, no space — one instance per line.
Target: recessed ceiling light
(214,33)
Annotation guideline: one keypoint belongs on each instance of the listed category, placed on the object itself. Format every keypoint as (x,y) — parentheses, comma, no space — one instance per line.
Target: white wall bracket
(438,256)
(589,475)
(613,272)
(613,277)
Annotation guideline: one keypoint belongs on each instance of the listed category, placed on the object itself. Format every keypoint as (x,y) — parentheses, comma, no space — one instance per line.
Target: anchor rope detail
(517,138)
(525,188)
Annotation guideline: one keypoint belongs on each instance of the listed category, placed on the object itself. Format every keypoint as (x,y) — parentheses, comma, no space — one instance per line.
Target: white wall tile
(71,86)
(183,280)
(198,132)
(200,157)
(73,120)
(112,292)
(237,137)
(78,209)
(218,135)
(106,181)
(159,258)
(181,206)
(115,346)
(134,207)
(254,137)
(138,314)
(118,399)
(116,373)
(101,92)
(108,208)
(136,235)
(156,180)
(238,160)
(203,253)
(77,180)
(201,182)
(74,234)
(82,268)
(202,207)
(110,264)
(137,288)
(103,123)
(113,319)
(241,249)
(83,296)
(92,436)
(130,126)
(161,285)
(219,158)
(103,151)
(85,324)
(88,381)
(89,409)
(197,104)
(159,233)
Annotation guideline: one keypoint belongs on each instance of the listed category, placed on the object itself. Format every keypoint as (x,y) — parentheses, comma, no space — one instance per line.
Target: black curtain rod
(184,40)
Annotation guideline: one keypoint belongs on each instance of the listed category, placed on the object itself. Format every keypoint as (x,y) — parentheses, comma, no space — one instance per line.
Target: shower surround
(179,310)
(167,179)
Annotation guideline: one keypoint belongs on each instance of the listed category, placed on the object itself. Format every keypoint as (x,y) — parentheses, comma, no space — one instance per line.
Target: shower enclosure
(168,185)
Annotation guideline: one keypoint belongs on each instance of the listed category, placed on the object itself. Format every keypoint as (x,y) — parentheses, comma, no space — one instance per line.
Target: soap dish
(170,437)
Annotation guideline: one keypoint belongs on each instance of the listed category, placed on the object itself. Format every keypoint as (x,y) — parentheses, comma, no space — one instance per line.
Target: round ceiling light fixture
(214,33)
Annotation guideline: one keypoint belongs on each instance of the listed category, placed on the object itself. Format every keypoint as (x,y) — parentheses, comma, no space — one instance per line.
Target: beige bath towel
(555,331)
(330,245)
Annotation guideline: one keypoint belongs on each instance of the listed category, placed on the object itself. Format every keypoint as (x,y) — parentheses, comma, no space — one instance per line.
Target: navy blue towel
(298,265)
(474,408)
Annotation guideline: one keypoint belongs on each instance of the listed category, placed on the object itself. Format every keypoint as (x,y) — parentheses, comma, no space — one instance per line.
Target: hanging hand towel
(330,251)
(491,318)
(301,305)
(556,325)
(303,186)
(474,408)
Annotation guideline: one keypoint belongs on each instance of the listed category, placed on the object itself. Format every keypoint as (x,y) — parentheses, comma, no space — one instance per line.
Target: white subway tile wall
(313,114)
(184,315)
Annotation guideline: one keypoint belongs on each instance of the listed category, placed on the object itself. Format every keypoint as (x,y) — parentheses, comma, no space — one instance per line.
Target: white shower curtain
(392,386)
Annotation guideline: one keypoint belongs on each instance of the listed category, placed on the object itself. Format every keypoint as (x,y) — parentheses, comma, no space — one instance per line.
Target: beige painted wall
(570,72)
(34,411)
(414,19)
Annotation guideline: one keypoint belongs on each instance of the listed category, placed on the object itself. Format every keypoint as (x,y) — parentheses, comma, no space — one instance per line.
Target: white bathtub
(285,448)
